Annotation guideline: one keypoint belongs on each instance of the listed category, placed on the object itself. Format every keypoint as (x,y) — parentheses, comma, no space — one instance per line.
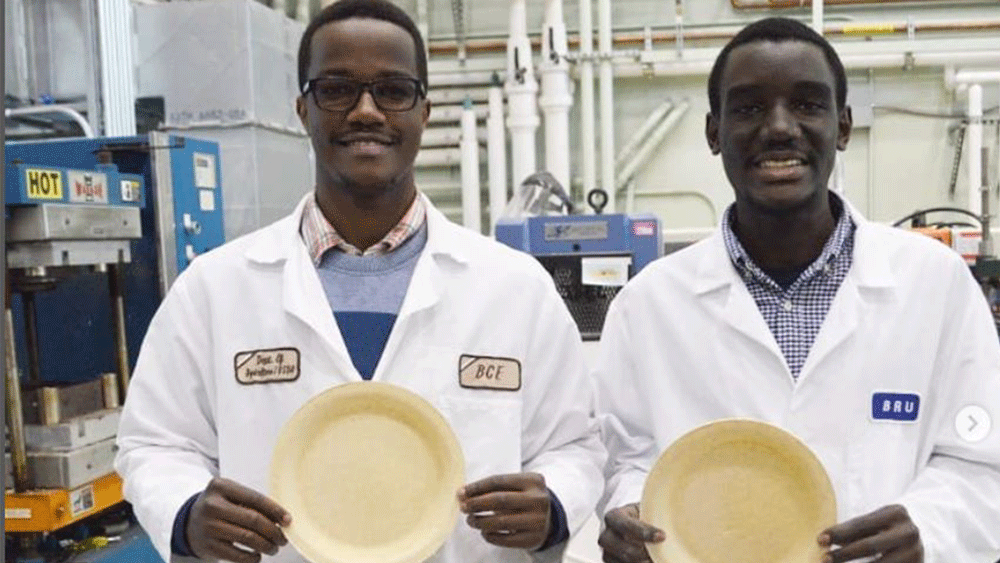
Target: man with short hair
(873,345)
(365,280)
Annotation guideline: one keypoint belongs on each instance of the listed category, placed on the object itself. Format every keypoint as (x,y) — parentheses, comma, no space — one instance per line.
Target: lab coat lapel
(302,294)
(869,273)
(444,243)
(717,273)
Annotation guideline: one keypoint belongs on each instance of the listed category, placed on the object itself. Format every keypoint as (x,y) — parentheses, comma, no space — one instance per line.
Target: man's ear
(844,124)
(712,133)
(427,111)
(302,110)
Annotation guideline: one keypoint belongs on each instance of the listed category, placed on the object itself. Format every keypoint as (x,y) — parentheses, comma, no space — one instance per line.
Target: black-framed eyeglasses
(334,93)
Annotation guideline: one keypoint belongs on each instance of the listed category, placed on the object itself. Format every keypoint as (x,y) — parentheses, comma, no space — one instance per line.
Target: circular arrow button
(973,423)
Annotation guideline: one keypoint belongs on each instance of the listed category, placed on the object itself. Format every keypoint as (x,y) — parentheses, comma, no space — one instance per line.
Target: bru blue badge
(899,407)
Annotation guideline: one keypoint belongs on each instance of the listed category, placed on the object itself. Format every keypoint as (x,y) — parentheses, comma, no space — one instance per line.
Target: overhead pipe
(496,157)
(588,138)
(555,99)
(623,39)
(607,102)
(928,53)
(471,212)
(522,90)
(463,78)
(773,4)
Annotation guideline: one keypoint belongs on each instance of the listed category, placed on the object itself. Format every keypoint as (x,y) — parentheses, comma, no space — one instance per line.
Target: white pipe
(702,66)
(32,110)
(444,96)
(642,156)
(643,133)
(817,16)
(555,100)
(471,213)
(496,150)
(430,158)
(679,27)
(607,103)
(453,114)
(522,89)
(977,76)
(975,144)
(446,137)
(444,78)
(588,147)
(114,19)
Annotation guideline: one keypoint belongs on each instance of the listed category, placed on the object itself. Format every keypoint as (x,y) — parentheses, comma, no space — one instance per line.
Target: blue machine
(566,245)
(174,185)
(97,230)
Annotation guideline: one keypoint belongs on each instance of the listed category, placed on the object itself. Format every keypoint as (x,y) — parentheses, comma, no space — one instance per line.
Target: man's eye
(396,91)
(335,90)
(807,105)
(746,109)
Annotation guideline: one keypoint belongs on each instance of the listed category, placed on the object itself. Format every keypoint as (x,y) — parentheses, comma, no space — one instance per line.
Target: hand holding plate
(510,510)
(888,533)
(625,536)
(227,514)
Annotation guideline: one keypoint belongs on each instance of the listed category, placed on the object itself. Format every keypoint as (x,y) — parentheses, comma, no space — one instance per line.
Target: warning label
(88,187)
(43,184)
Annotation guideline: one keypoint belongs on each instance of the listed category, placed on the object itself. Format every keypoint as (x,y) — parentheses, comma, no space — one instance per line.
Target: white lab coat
(684,344)
(186,417)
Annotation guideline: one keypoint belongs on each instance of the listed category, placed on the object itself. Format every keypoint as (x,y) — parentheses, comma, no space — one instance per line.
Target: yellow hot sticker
(43,183)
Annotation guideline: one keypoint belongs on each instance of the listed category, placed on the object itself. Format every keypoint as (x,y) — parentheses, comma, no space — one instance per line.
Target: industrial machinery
(590,257)
(97,229)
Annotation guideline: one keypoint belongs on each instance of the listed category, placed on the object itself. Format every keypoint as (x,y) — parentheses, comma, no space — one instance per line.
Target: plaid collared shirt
(320,236)
(795,315)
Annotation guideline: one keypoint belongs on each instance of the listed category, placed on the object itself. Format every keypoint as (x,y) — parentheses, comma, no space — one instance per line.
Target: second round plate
(738,491)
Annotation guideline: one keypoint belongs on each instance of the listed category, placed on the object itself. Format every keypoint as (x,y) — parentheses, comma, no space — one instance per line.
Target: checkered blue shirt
(795,315)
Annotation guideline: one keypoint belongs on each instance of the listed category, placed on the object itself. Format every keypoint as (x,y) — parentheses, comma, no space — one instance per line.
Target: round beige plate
(738,491)
(369,473)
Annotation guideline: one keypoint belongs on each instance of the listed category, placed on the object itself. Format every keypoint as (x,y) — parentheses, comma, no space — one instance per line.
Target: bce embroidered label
(267,366)
(487,372)
(897,407)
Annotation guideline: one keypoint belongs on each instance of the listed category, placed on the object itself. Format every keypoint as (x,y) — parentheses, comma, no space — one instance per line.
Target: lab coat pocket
(881,464)
(489,430)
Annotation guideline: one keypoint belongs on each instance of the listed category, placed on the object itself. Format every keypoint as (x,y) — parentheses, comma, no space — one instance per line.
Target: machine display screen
(592,230)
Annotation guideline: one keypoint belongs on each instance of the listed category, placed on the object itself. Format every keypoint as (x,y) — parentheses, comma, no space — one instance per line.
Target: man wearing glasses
(366,280)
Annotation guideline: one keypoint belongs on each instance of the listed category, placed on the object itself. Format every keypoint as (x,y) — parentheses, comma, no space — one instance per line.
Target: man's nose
(366,109)
(780,121)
